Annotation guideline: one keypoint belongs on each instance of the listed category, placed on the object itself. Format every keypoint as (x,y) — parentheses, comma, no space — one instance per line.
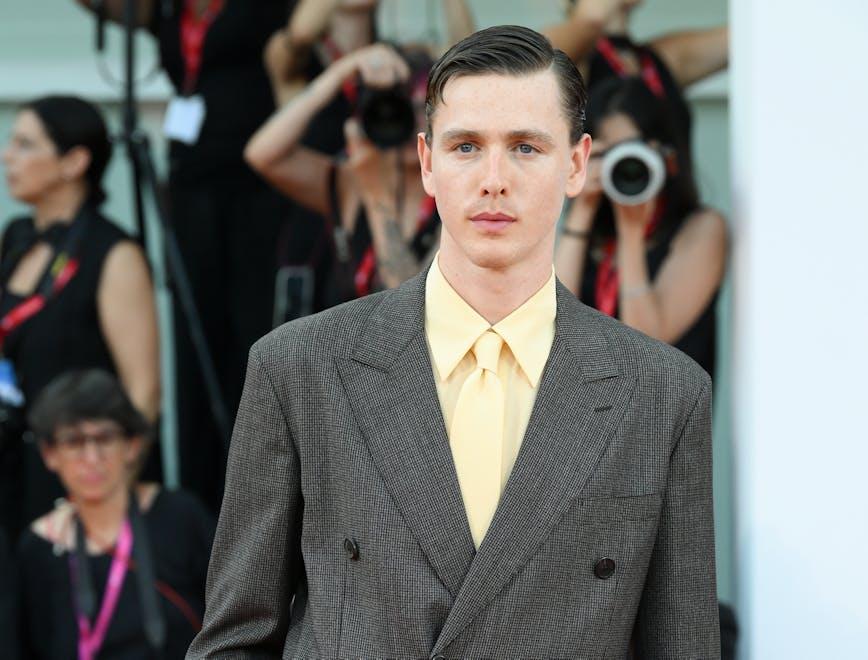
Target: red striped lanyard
(193,31)
(90,639)
(63,270)
(649,70)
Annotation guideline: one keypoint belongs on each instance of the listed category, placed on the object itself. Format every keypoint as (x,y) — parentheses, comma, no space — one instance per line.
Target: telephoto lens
(633,173)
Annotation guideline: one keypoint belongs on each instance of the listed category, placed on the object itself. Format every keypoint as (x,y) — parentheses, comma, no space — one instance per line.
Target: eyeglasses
(74,443)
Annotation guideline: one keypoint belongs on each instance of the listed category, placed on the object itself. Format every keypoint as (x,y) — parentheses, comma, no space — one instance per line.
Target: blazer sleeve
(678,614)
(256,559)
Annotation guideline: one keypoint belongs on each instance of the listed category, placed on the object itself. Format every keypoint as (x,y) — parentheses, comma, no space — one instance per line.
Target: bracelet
(576,233)
(634,291)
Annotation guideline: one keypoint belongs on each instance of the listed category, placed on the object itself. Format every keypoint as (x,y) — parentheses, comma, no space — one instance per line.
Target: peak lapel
(581,400)
(390,385)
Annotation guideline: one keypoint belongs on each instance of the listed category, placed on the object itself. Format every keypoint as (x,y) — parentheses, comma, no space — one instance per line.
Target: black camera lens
(631,176)
(387,116)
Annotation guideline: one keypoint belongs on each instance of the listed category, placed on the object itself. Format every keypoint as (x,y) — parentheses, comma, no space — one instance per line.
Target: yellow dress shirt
(452,327)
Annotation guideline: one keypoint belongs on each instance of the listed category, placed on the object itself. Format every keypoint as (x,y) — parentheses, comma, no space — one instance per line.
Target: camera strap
(649,69)
(60,270)
(194,29)
(92,635)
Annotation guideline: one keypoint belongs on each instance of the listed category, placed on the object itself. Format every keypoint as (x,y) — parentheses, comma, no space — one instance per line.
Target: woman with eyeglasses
(656,265)
(117,569)
(75,288)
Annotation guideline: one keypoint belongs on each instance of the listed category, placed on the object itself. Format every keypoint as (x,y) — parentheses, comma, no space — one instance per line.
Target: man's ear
(578,166)
(49,456)
(74,163)
(425,163)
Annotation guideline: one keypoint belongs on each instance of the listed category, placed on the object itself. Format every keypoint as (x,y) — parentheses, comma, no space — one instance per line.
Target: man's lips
(492,221)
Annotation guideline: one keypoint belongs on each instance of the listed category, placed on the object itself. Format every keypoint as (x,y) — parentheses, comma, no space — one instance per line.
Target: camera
(632,173)
(386,115)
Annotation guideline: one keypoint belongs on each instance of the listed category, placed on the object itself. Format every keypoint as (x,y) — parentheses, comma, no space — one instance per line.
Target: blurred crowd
(293,185)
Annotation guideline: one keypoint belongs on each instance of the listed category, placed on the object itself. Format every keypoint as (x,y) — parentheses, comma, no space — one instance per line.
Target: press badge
(184,118)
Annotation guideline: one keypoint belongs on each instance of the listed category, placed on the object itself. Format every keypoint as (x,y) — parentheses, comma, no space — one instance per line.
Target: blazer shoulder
(644,356)
(330,333)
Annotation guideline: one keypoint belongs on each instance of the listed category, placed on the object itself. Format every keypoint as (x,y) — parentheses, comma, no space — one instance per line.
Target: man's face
(499,164)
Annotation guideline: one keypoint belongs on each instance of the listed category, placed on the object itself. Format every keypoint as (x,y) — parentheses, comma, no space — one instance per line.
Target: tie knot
(487,350)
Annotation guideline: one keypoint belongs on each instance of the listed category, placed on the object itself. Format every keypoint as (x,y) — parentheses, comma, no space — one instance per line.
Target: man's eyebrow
(531,135)
(524,134)
(460,134)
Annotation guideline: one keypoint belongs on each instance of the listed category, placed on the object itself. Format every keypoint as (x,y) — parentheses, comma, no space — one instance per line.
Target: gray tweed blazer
(343,533)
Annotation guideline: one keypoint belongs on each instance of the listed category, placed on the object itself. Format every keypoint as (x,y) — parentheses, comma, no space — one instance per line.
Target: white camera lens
(632,173)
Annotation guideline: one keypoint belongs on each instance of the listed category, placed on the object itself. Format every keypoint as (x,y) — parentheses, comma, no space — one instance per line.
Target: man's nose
(494,182)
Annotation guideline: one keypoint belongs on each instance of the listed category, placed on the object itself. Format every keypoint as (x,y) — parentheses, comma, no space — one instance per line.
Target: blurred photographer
(383,226)
(225,219)
(117,568)
(75,290)
(596,36)
(637,244)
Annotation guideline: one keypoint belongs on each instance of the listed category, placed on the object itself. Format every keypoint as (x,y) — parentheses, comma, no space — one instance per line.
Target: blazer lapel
(581,400)
(390,385)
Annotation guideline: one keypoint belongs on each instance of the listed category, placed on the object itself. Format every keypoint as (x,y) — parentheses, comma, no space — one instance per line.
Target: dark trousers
(227,228)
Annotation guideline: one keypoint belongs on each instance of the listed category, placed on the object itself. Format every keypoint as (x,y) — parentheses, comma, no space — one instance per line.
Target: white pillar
(799,106)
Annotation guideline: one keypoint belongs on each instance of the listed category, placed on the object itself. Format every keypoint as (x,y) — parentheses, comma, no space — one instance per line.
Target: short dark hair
(509,50)
(83,395)
(73,122)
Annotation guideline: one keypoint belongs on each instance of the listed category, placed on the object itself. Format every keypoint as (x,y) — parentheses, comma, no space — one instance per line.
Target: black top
(66,334)
(699,340)
(232,80)
(180,531)
(600,70)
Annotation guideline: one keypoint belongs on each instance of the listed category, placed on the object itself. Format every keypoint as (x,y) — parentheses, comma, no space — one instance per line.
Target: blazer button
(604,568)
(352,549)
(438,657)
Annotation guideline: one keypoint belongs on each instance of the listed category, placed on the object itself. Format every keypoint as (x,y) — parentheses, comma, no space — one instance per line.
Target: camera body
(386,115)
(632,173)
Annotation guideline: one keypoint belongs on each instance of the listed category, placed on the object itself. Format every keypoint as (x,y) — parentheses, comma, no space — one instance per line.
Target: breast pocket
(615,509)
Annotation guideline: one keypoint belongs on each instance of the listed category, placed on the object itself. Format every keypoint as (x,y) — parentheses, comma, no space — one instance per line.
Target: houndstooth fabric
(343,533)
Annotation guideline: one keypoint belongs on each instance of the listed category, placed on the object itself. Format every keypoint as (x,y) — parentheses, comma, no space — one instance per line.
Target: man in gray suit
(354,523)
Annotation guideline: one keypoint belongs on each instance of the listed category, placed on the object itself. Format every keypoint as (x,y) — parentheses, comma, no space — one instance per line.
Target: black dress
(226,219)
(180,531)
(65,335)
(699,341)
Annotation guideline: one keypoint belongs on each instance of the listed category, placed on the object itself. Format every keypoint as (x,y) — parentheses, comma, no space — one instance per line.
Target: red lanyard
(364,277)
(649,70)
(63,269)
(90,639)
(606,286)
(193,31)
(349,87)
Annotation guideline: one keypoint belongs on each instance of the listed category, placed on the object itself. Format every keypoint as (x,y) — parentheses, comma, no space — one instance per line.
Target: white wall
(801,323)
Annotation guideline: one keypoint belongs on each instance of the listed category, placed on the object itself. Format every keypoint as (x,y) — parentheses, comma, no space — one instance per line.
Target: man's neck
(494,294)
(59,205)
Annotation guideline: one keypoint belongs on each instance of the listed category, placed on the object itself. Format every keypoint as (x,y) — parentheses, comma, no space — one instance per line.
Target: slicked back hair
(509,50)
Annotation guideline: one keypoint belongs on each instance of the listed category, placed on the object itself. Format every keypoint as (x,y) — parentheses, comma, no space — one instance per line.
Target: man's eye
(526,149)
(465,147)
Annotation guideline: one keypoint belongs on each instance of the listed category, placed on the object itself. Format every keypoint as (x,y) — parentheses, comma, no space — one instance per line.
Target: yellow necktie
(477,435)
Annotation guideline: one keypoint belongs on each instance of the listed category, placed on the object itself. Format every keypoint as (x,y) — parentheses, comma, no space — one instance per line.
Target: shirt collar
(452,326)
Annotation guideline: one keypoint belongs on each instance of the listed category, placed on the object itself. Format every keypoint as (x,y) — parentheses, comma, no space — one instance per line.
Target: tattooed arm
(396,261)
